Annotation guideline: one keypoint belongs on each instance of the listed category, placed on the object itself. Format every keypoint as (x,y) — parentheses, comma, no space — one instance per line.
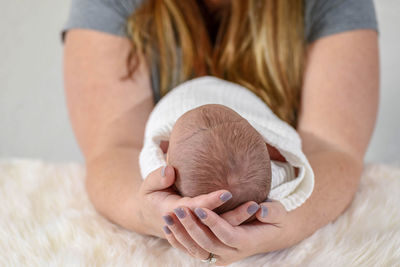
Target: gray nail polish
(264,211)
(163,171)
(168,220)
(166,230)
(180,213)
(225,196)
(252,209)
(200,213)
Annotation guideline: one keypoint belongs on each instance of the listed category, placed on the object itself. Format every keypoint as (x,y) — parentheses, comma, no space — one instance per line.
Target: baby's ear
(164,146)
(175,189)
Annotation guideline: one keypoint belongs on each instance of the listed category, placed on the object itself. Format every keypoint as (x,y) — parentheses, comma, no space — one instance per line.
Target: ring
(210,259)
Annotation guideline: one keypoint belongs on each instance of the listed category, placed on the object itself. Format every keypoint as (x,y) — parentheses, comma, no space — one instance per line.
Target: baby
(212,147)
(220,135)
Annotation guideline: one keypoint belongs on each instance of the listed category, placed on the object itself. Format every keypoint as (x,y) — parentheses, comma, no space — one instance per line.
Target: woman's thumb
(159,179)
(271,212)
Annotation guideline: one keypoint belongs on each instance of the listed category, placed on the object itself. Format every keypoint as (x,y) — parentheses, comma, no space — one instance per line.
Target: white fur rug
(46,219)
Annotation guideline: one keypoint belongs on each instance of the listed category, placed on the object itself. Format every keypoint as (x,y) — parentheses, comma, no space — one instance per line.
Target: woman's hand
(203,231)
(156,197)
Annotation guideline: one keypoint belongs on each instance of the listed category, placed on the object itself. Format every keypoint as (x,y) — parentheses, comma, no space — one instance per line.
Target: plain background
(33,117)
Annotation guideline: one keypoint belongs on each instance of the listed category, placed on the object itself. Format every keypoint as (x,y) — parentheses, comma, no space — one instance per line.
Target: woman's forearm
(337,176)
(108,115)
(339,103)
(112,181)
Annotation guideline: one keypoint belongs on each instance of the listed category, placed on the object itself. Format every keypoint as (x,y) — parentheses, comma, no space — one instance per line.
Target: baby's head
(211,148)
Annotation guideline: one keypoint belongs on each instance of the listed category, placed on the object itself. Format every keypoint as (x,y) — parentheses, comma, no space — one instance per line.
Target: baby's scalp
(212,147)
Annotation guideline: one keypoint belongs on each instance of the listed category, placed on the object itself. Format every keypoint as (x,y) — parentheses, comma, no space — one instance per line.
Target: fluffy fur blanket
(46,219)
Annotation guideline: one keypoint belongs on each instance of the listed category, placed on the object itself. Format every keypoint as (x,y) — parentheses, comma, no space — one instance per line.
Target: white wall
(33,117)
(385,144)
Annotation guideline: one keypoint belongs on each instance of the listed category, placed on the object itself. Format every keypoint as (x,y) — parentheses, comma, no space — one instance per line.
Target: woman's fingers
(224,231)
(174,243)
(241,214)
(210,201)
(159,179)
(200,233)
(183,238)
(271,212)
(172,240)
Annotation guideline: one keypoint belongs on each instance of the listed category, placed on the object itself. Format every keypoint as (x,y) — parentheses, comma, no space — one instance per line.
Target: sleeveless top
(322,18)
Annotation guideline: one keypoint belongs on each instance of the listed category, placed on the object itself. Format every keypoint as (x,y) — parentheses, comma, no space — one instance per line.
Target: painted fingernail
(269,200)
(166,230)
(225,196)
(180,213)
(168,220)
(252,209)
(264,211)
(163,171)
(200,213)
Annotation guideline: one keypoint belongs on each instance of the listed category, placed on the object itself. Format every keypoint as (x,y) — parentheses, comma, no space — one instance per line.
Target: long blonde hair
(259,45)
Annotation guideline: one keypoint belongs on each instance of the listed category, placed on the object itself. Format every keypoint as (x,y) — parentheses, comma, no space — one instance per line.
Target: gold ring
(210,259)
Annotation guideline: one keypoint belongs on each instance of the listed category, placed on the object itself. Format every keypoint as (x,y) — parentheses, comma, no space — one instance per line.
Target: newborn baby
(212,147)
(218,133)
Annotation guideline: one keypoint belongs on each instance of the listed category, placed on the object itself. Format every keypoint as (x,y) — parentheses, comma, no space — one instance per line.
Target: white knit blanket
(46,219)
(210,90)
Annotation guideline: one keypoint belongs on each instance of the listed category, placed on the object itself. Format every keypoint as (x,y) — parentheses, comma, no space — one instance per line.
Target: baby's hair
(219,149)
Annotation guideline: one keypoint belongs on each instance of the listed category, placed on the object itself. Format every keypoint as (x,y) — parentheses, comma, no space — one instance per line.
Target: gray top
(322,18)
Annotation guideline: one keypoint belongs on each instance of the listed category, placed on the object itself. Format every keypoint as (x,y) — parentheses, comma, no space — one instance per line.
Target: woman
(315,63)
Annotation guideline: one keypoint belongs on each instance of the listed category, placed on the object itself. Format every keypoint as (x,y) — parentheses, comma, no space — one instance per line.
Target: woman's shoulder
(326,17)
(322,17)
(107,16)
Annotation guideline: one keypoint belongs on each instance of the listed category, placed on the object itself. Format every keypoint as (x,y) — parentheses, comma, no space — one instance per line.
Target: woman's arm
(337,118)
(108,116)
(339,106)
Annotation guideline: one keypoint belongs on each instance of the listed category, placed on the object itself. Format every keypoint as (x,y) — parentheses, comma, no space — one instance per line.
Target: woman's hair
(259,45)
